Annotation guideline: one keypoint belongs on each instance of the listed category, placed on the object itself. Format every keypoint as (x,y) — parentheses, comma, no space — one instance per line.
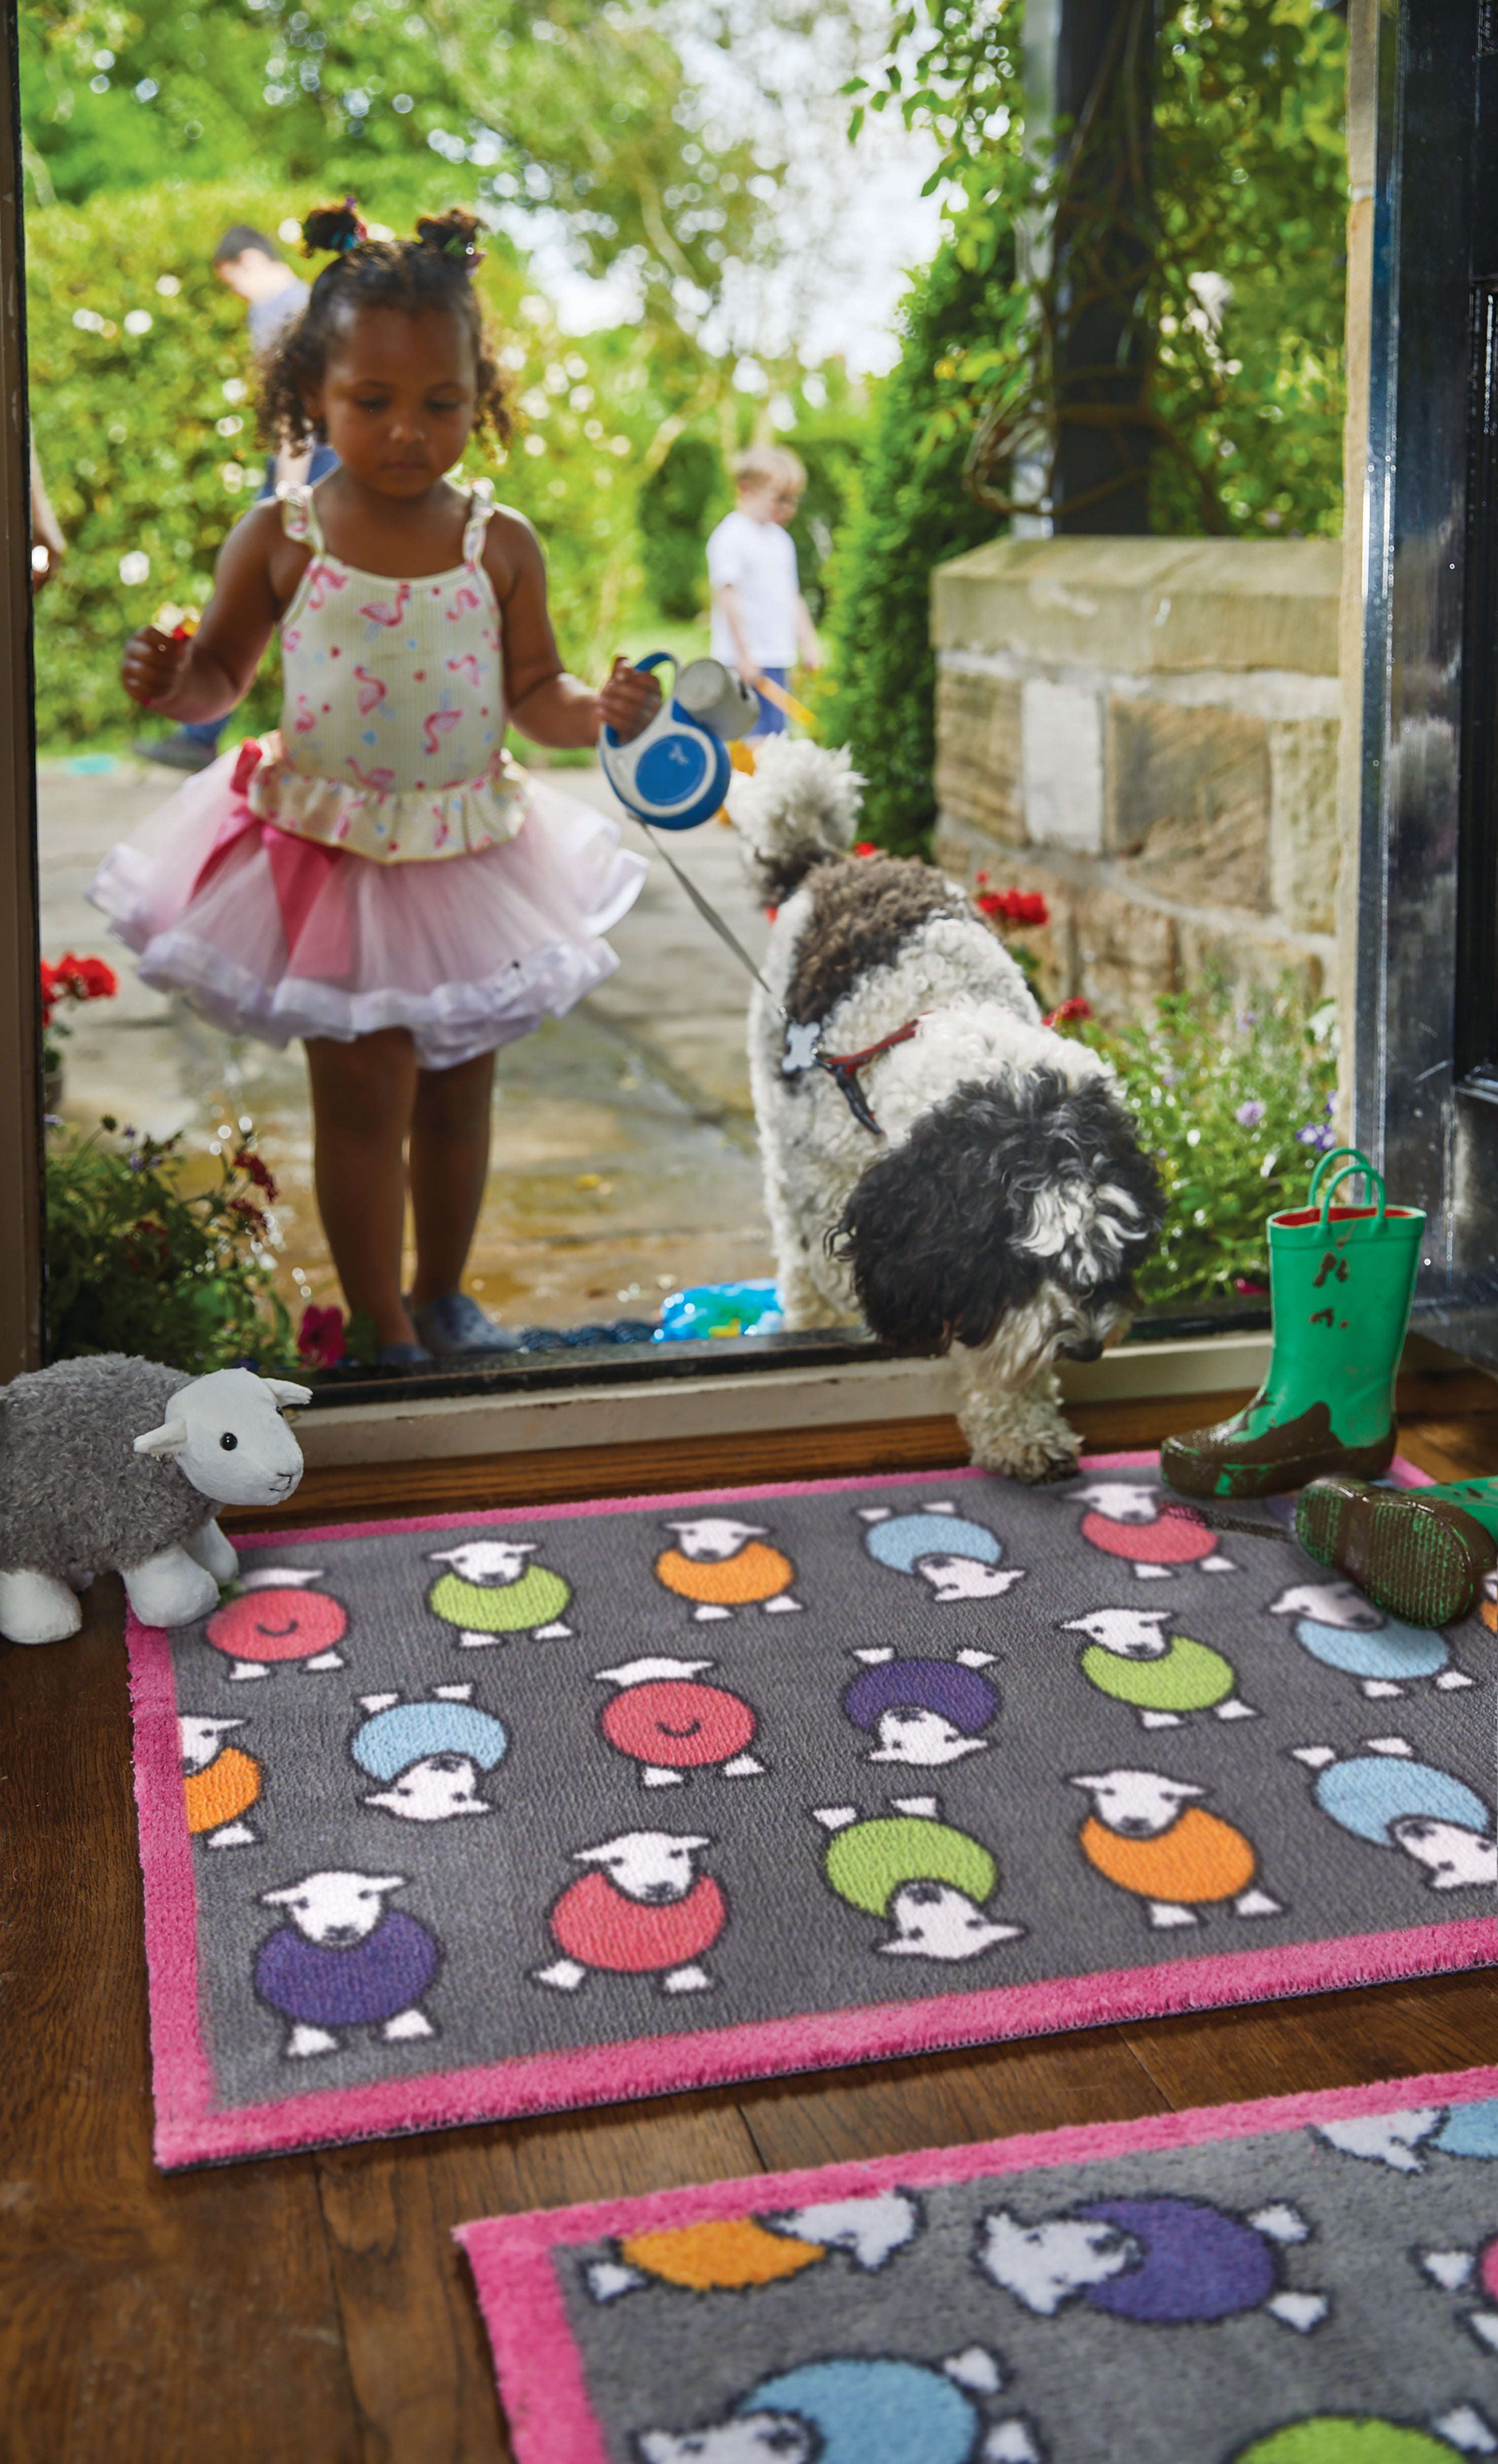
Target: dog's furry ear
(995,1190)
(797,809)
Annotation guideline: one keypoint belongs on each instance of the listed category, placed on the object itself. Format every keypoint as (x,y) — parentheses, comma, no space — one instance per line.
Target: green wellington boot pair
(1323,1422)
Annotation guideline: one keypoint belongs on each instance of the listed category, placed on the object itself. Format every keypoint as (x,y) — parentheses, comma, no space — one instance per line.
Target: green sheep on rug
(927,1880)
(492,1593)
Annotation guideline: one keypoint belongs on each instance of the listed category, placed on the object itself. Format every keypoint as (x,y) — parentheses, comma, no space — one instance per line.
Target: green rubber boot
(1340,1282)
(1421,1553)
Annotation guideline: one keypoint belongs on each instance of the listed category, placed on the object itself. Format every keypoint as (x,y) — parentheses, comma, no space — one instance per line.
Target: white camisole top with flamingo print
(392,732)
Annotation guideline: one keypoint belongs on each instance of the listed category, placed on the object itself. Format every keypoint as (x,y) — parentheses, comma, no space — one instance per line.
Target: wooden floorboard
(314,2307)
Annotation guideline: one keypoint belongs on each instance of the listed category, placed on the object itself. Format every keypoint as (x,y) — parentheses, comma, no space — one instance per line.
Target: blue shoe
(455,1323)
(401,1355)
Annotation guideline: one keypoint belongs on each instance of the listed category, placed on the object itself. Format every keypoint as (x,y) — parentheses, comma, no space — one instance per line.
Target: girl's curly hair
(434,269)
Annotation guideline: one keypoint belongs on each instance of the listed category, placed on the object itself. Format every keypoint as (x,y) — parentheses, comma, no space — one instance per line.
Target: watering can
(675,772)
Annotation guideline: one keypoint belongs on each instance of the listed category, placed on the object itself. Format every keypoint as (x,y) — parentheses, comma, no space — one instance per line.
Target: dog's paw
(1019,1434)
(1036,1465)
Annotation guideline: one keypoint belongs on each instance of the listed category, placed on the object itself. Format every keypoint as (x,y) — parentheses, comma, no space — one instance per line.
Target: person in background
(254,269)
(761,624)
(49,547)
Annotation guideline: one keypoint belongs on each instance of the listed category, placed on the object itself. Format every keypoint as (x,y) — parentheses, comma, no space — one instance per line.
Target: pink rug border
(537,2359)
(189,2131)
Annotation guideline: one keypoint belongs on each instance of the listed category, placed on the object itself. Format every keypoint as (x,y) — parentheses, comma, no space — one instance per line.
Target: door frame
(21,1197)
(1425,1085)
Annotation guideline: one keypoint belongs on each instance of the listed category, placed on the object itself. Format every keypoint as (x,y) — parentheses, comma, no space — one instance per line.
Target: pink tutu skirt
(277,937)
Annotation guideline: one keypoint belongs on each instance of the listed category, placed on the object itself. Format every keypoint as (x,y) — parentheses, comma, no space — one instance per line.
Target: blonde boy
(760,622)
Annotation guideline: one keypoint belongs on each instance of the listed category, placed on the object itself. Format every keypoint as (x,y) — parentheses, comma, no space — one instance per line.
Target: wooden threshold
(557,1475)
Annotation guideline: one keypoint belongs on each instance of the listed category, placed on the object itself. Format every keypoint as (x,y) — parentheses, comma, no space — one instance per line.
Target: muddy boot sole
(1217,1463)
(1423,1560)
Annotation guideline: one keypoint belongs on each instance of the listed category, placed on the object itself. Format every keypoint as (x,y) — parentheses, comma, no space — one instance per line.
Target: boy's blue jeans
(772,721)
(207,730)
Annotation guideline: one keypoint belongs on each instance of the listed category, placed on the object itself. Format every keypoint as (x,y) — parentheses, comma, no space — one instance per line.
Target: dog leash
(1230,1523)
(803,1039)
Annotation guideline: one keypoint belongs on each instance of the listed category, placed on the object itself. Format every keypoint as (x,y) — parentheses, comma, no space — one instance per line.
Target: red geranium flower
(865,846)
(255,1169)
(1064,1011)
(320,1338)
(1014,906)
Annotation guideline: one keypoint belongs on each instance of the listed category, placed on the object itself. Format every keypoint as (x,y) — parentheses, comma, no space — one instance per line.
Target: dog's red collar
(803,1052)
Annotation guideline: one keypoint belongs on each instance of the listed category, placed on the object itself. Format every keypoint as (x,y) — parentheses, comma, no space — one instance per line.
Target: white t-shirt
(758,559)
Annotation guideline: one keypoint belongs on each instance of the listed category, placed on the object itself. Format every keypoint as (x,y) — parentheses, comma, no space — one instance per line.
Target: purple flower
(1248,1115)
(1315,1135)
(1248,1018)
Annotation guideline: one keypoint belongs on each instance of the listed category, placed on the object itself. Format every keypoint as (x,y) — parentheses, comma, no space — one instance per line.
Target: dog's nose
(1092,1351)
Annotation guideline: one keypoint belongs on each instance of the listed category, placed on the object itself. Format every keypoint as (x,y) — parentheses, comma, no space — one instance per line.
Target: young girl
(381,878)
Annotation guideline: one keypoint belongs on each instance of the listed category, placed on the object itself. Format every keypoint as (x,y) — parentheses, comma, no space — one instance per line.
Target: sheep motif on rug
(929,1881)
(1346,2438)
(1161,2262)
(924,1712)
(646,1911)
(859,2410)
(220,1783)
(956,1558)
(1130,1521)
(1340,1627)
(721,1564)
(275,1621)
(493,1594)
(1405,2139)
(344,1960)
(1144,1835)
(1393,1800)
(668,1723)
(1161,1677)
(742,2252)
(429,1755)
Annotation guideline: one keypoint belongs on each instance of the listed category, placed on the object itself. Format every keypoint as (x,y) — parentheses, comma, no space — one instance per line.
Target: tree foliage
(1242,320)
(583,109)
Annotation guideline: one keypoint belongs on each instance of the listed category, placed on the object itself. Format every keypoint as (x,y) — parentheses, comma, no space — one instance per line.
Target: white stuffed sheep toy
(112,1465)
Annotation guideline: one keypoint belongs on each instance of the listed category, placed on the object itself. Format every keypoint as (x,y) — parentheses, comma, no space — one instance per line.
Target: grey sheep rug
(1312,2279)
(464,1818)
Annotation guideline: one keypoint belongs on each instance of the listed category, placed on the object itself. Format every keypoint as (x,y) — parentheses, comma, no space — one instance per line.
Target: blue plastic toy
(676,773)
(719,1308)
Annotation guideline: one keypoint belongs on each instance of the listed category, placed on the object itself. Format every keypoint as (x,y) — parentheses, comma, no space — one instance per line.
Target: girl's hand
(629,701)
(151,666)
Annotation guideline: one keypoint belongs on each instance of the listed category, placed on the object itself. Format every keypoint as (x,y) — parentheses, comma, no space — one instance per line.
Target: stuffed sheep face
(226,1435)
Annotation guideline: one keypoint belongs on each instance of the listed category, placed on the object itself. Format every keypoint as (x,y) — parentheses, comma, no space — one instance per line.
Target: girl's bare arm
(546,703)
(258,569)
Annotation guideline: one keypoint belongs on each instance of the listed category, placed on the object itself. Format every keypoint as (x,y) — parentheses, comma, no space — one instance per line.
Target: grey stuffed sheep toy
(114,1465)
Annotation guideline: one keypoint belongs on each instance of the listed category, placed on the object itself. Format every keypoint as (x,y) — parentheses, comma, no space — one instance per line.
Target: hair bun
(334,228)
(454,233)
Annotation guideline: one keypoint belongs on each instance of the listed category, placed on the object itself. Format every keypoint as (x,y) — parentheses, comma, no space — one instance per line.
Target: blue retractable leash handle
(673,775)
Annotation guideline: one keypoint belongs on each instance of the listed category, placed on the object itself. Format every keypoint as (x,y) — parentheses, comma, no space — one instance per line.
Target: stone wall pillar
(1145,730)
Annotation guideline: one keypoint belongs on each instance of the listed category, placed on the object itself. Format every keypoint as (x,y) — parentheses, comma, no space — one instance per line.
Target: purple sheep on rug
(344,1960)
(923,1711)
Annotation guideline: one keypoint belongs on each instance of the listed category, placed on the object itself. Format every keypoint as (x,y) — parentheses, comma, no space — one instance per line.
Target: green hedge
(911,512)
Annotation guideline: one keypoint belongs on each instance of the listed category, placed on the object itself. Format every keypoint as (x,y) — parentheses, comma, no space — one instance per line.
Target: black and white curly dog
(933,1155)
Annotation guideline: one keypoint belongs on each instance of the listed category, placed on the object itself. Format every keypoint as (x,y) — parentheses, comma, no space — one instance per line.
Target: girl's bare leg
(364,1096)
(450,1164)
